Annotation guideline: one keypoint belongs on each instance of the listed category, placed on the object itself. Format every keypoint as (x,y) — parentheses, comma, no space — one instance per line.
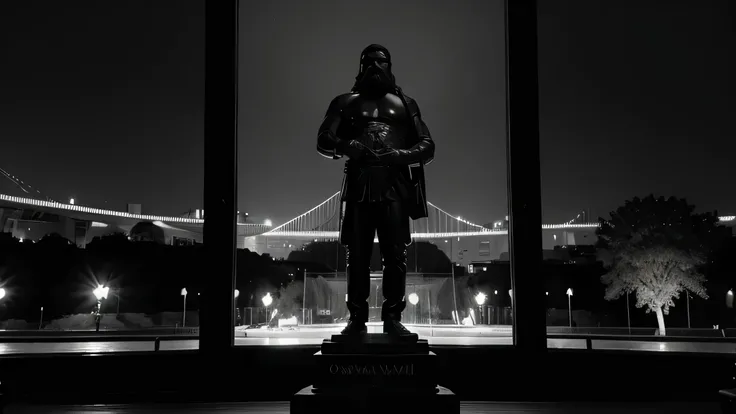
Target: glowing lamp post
(184,312)
(267,301)
(100,293)
(414,299)
(2,293)
(480,299)
(729,299)
(236,310)
(569,305)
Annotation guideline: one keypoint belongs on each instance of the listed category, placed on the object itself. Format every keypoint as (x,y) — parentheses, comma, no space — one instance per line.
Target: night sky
(104,101)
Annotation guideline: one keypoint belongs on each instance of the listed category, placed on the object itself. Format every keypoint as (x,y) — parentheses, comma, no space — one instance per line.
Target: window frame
(205,375)
(522,163)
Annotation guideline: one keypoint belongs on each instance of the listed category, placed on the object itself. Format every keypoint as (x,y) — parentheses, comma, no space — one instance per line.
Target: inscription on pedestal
(410,371)
(403,370)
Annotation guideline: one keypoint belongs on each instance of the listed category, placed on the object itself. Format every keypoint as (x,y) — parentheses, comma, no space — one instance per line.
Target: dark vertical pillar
(220,174)
(524,187)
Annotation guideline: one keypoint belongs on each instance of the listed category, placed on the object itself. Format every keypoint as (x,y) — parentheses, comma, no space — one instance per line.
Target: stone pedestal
(375,374)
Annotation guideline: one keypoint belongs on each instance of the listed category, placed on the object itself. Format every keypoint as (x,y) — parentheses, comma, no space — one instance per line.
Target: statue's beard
(375,80)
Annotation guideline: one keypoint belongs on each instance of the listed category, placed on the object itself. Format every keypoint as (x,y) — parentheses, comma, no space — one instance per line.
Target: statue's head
(375,71)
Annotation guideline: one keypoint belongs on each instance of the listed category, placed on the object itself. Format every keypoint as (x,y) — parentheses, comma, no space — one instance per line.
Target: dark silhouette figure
(381,131)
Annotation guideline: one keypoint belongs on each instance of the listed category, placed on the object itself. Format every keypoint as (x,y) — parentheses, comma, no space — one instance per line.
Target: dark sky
(103,101)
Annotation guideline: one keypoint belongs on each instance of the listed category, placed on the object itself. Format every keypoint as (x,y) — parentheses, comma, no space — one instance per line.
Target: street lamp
(729,299)
(100,293)
(184,313)
(267,301)
(2,293)
(480,299)
(236,309)
(414,299)
(569,305)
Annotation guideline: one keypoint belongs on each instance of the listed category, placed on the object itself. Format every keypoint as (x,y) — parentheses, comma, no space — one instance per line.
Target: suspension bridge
(323,222)
(320,222)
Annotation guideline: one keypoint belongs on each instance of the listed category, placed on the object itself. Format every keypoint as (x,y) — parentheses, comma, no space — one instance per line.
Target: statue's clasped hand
(387,156)
(353,149)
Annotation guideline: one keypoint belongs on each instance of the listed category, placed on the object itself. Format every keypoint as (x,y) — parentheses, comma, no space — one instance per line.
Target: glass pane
(293,268)
(101,176)
(634,119)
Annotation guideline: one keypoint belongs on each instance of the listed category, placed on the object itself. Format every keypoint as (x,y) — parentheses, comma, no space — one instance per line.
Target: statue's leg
(358,233)
(393,237)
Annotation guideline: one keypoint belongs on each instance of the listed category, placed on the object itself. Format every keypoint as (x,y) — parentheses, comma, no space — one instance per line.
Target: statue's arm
(424,149)
(328,144)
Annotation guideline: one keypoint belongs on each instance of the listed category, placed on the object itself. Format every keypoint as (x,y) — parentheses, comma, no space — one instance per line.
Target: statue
(381,131)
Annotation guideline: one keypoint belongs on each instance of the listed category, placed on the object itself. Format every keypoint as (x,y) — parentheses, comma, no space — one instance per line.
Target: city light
(71,201)
(413,298)
(569,292)
(480,298)
(237,293)
(101,292)
(2,293)
(267,223)
(267,300)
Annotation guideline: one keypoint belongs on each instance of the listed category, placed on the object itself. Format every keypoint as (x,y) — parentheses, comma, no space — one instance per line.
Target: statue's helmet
(375,70)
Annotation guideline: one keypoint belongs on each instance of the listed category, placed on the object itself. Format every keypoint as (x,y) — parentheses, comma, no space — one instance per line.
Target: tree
(656,248)
(290,299)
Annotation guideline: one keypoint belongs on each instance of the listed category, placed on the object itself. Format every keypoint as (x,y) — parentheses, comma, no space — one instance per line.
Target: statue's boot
(355,328)
(391,315)
(358,318)
(397,329)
